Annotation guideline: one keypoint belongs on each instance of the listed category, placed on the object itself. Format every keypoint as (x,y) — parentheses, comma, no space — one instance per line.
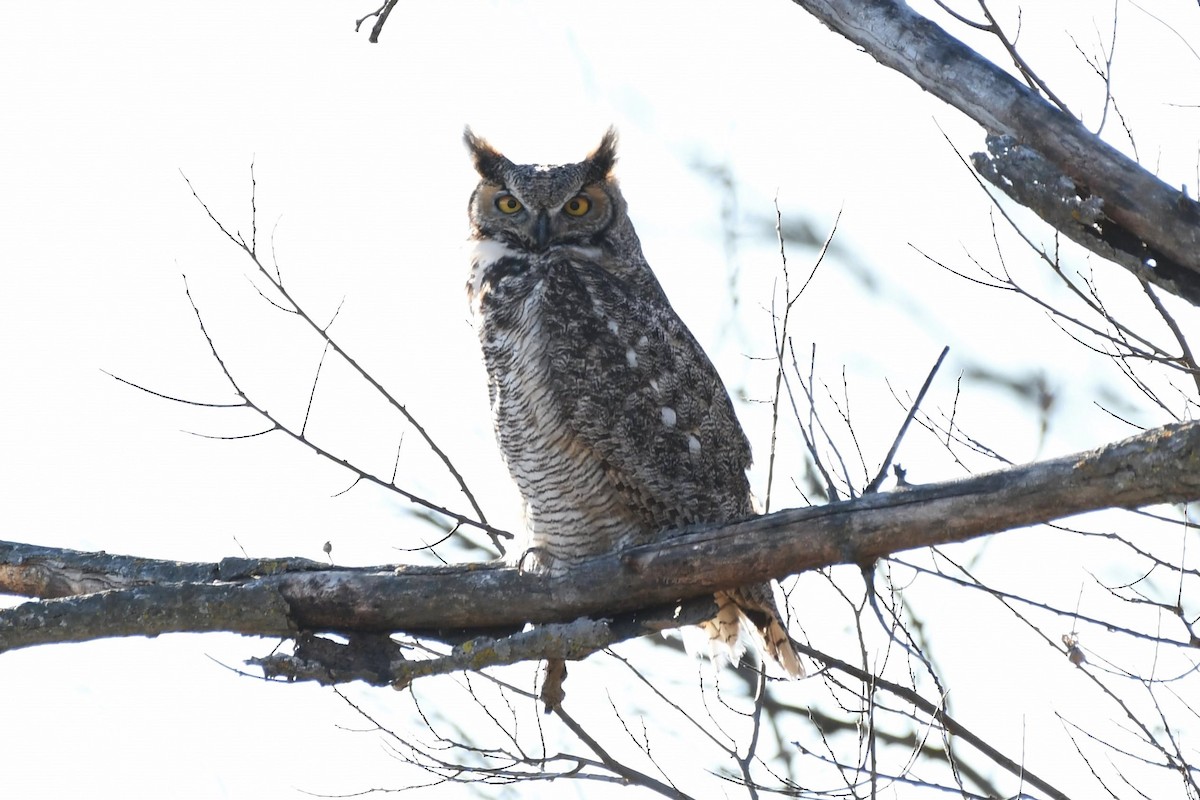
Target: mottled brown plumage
(613,422)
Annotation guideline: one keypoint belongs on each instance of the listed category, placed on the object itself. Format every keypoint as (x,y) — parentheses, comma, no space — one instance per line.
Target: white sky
(363,181)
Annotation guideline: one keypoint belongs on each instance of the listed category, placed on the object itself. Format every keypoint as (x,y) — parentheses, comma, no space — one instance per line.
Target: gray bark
(89,596)
(1154,227)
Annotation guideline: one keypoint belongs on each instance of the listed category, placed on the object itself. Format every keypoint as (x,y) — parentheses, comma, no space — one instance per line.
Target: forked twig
(630,774)
(874,485)
(381,15)
(294,307)
(1187,358)
(781,332)
(276,425)
(937,711)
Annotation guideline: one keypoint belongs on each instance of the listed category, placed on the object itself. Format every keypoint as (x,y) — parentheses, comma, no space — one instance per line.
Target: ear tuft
(489,163)
(601,160)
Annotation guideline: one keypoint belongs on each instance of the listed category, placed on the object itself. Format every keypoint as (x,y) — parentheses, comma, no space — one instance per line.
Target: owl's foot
(535,560)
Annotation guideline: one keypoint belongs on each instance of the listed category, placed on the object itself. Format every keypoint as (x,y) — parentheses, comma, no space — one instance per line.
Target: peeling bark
(1154,227)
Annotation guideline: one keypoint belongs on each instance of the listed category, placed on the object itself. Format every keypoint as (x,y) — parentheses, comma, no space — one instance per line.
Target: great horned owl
(612,420)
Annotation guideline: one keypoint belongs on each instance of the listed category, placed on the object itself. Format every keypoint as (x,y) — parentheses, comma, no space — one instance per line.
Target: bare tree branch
(874,485)
(293,306)
(381,15)
(1159,466)
(572,640)
(1153,225)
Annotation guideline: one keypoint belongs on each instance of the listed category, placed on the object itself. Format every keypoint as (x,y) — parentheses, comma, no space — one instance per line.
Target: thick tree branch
(49,572)
(1154,225)
(278,597)
(254,608)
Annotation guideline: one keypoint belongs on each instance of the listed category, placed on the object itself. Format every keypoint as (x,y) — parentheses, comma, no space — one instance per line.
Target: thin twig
(626,772)
(1188,359)
(781,332)
(381,15)
(874,485)
(938,712)
(322,331)
(1031,77)
(495,533)
(312,395)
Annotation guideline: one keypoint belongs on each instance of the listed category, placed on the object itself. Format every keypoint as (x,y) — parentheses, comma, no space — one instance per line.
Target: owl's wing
(635,388)
(650,404)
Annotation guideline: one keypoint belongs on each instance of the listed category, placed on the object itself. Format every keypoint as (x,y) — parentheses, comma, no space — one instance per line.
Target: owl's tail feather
(779,648)
(725,630)
(755,606)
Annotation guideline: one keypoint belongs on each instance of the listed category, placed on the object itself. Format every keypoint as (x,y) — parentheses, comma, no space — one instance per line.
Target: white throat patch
(484,253)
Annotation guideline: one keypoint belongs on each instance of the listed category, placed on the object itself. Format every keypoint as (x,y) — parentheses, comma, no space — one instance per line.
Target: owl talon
(534,561)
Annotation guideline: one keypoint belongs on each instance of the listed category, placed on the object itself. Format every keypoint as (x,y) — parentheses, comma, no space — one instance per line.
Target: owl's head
(534,207)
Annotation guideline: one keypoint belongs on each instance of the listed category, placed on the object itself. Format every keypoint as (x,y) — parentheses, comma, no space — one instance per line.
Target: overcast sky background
(362,184)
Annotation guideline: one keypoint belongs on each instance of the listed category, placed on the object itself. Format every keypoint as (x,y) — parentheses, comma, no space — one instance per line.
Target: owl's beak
(541,230)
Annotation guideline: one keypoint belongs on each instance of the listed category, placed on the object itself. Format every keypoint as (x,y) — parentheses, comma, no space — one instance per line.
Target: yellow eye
(507,204)
(578,205)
